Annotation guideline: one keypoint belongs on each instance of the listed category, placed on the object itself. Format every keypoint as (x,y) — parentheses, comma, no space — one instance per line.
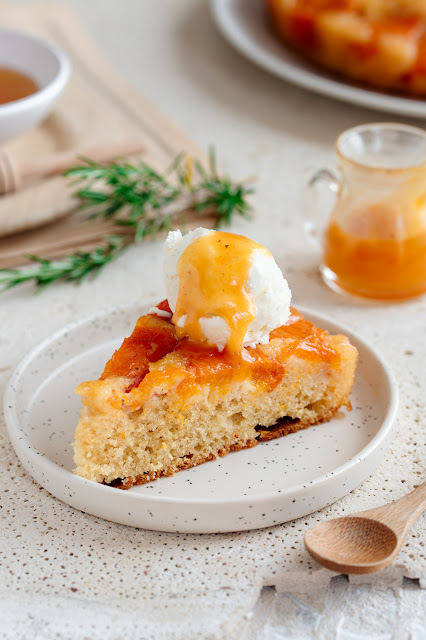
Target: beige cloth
(97,107)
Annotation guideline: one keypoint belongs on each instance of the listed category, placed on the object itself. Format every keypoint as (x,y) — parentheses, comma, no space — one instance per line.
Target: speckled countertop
(68,575)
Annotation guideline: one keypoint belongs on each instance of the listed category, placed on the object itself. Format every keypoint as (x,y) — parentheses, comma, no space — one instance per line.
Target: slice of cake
(229,365)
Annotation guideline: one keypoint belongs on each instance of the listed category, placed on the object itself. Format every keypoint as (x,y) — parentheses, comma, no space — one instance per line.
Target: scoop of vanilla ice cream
(266,284)
(174,246)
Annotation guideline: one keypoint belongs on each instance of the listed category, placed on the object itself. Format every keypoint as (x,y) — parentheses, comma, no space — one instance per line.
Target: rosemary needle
(142,200)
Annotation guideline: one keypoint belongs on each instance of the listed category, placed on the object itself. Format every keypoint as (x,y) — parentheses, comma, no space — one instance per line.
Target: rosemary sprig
(73,267)
(142,200)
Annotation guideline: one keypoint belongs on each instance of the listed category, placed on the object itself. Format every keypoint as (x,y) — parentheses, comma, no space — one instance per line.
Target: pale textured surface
(341,610)
(68,575)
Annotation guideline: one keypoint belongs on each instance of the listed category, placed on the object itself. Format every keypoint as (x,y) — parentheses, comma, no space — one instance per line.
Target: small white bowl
(46,64)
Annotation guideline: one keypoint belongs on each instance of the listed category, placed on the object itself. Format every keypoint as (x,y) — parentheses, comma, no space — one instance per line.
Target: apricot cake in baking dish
(380,42)
(227,365)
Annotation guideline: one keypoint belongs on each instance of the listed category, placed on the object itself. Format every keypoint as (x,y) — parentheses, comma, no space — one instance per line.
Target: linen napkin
(98,107)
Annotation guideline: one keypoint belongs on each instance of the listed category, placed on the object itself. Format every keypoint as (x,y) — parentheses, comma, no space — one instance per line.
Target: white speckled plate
(244,25)
(271,483)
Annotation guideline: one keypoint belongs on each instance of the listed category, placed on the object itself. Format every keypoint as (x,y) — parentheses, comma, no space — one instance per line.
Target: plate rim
(310,78)
(14,430)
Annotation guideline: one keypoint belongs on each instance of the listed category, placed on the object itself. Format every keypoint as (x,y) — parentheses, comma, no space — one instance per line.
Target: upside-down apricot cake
(226,363)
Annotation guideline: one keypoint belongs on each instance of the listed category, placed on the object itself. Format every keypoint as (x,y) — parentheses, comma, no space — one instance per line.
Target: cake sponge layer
(118,445)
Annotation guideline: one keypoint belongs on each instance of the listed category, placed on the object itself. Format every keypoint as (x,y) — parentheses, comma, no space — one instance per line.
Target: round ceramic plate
(244,25)
(271,483)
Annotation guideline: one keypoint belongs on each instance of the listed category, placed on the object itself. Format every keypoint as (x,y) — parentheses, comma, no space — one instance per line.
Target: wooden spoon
(367,541)
(12,174)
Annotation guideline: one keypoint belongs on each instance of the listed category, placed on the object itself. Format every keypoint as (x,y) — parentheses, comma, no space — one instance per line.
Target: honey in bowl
(15,85)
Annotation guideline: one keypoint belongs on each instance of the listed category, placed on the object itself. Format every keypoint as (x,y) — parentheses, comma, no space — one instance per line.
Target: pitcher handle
(314,219)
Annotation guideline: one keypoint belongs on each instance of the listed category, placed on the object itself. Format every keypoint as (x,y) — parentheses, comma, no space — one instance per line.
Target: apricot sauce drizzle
(154,337)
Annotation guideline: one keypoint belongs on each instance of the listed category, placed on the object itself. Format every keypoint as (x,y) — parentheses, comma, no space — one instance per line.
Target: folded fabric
(97,107)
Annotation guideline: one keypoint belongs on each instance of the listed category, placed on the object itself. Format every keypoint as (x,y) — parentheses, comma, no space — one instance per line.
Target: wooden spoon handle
(9,173)
(401,514)
(59,162)
(12,173)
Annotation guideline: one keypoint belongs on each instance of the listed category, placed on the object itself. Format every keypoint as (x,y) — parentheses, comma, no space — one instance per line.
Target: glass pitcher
(374,244)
